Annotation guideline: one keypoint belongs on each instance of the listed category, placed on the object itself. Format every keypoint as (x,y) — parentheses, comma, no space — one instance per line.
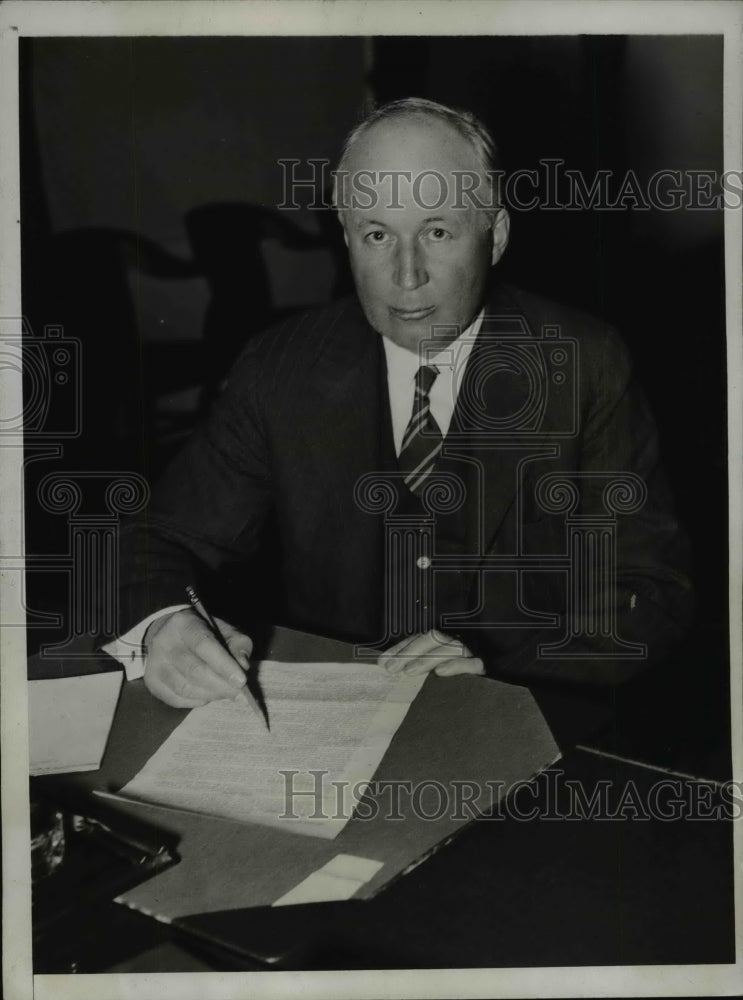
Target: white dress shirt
(402,366)
(128,648)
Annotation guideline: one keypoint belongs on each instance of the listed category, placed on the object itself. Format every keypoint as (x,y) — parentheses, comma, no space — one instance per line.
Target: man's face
(420,252)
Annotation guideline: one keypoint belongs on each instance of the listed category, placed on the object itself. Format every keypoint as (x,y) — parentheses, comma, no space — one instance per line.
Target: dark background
(149,231)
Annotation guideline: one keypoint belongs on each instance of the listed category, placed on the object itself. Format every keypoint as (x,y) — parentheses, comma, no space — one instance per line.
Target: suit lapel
(343,404)
(340,425)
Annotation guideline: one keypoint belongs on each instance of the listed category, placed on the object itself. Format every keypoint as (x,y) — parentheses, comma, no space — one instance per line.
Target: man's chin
(409,337)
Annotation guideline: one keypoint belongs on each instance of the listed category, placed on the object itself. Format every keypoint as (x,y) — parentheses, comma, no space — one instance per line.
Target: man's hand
(431,651)
(186,665)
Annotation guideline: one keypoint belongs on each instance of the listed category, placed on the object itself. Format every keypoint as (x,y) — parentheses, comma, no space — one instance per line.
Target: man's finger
(188,678)
(390,654)
(434,643)
(462,665)
(432,652)
(160,688)
(241,645)
(241,649)
(201,642)
(427,664)
(191,669)
(175,701)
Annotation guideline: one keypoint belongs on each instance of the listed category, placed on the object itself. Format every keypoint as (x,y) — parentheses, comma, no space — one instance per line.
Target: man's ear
(500,229)
(341,219)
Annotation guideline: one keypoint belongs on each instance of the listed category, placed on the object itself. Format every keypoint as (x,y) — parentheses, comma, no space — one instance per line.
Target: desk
(505,892)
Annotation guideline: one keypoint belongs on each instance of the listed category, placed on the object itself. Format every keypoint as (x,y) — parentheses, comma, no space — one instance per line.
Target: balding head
(474,136)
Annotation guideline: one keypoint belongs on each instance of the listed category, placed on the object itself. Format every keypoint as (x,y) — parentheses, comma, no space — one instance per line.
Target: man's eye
(438,235)
(377,237)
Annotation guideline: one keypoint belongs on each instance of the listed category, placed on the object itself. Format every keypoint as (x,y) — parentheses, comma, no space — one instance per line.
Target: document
(338,879)
(331,724)
(69,719)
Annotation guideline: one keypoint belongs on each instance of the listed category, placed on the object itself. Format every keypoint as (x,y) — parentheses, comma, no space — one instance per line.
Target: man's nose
(410,268)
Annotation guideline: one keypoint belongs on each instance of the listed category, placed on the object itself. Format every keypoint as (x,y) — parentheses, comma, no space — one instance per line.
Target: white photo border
(44,18)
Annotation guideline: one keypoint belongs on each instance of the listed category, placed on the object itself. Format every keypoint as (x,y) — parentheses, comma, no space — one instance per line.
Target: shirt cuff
(128,648)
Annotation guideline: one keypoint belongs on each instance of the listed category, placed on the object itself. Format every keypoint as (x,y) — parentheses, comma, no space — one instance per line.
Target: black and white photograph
(371,531)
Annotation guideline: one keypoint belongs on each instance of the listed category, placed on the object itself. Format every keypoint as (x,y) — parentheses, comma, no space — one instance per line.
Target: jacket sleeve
(649,591)
(207,510)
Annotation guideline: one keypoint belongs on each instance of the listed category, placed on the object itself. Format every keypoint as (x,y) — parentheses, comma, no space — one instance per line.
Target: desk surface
(507,892)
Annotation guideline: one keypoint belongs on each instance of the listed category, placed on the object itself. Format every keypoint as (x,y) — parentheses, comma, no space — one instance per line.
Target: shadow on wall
(87,276)
(227,250)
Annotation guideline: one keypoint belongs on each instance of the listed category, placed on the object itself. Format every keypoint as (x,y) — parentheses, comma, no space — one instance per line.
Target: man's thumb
(240,645)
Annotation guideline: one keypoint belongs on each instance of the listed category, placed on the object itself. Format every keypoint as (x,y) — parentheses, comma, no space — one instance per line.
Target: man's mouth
(412,314)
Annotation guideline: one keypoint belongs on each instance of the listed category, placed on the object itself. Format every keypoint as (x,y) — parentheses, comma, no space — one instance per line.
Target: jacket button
(422,562)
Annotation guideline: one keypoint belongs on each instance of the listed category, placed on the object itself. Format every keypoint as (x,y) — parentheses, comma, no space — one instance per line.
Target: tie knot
(425,377)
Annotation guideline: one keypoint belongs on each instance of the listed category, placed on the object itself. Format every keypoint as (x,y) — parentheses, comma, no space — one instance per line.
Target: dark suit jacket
(305,415)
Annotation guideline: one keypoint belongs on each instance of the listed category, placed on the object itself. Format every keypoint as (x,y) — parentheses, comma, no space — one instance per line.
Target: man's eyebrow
(362,223)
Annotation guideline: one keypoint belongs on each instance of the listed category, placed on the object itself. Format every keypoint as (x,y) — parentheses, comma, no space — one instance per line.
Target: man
(549,551)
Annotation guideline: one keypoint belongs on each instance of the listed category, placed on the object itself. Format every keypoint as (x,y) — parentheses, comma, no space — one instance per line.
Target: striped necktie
(422,440)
